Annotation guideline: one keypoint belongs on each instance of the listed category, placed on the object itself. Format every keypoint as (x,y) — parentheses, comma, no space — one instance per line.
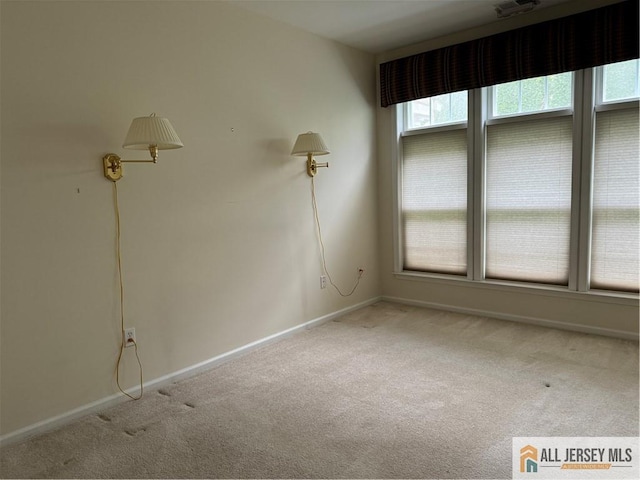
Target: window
(528,180)
(552,92)
(620,81)
(616,190)
(434,177)
(528,200)
(440,110)
(434,201)
(518,188)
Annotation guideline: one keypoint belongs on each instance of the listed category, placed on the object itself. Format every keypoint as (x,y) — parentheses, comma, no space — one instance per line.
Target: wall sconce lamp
(310,144)
(145,133)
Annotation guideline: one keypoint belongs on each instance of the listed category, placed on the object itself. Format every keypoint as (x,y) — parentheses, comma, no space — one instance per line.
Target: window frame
(402,119)
(599,106)
(585,104)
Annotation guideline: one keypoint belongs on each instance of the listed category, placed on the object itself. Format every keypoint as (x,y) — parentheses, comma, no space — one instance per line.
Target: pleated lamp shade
(309,143)
(152,130)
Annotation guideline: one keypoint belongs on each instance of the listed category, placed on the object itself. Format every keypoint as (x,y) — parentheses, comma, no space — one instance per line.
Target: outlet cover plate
(129,334)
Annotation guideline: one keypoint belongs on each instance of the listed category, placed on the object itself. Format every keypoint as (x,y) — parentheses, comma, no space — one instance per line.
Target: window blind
(434,202)
(528,200)
(616,200)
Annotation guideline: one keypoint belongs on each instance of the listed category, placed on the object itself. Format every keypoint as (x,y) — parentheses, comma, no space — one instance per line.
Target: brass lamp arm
(312,165)
(113,163)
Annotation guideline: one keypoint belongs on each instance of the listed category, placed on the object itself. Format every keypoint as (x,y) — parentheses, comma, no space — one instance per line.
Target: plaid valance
(596,37)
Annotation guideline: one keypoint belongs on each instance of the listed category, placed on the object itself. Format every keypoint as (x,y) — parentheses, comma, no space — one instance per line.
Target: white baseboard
(112,400)
(518,318)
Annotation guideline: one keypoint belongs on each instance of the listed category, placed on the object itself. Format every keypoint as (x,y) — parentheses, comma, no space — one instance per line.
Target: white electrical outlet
(129,337)
(323,281)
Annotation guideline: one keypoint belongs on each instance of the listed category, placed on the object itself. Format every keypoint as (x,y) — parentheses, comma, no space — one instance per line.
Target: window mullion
(478,105)
(399,119)
(576,180)
(585,167)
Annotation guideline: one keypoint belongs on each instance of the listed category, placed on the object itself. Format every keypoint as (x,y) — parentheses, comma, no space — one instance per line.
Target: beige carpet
(386,392)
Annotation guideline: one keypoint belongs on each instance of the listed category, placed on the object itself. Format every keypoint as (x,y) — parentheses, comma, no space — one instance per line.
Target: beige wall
(220,251)
(597,314)
(219,247)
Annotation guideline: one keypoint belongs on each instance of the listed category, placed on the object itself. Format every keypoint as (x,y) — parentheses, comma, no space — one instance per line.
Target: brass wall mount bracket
(312,165)
(112,167)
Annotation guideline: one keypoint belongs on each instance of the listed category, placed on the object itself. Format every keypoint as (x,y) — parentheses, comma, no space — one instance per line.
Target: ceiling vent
(513,7)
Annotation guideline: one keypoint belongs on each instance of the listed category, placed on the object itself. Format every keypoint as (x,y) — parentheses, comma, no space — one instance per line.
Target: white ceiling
(381,25)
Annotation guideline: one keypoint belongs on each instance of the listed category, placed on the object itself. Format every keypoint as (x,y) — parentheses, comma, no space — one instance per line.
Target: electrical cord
(123,341)
(322,254)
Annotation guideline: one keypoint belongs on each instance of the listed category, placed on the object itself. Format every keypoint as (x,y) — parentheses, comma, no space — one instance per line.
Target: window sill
(601,296)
